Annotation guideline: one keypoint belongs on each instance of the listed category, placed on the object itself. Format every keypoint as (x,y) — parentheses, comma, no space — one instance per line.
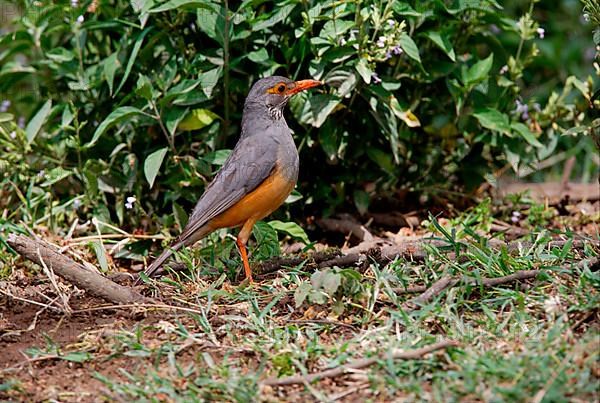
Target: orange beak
(303,85)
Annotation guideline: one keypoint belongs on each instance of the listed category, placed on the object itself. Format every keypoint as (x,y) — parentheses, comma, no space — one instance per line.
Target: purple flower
(76,204)
(397,50)
(4,105)
(388,55)
(21,122)
(375,78)
(391,23)
(494,29)
(522,109)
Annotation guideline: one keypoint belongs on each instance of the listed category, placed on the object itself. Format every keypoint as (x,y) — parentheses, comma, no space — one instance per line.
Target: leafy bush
(123,111)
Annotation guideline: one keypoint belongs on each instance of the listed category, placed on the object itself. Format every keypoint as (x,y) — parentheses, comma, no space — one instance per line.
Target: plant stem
(226,111)
(163,128)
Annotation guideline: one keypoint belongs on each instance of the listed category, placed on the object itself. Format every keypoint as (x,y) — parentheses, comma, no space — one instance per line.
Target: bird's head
(274,92)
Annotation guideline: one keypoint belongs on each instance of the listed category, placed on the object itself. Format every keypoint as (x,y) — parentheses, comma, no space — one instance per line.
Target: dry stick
(96,284)
(359,364)
(448,281)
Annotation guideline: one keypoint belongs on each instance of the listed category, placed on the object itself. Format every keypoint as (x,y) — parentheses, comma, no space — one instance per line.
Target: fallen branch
(449,281)
(42,253)
(359,364)
(415,250)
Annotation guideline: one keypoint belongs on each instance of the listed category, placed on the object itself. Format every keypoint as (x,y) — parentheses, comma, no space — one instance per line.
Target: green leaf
(524,131)
(290,228)
(118,115)
(55,175)
(173,118)
(493,119)
(197,119)
(77,356)
(153,163)
(316,108)
(301,292)
(442,42)
(100,255)
(267,243)
(144,87)
(217,157)
(326,280)
(136,48)
(35,124)
(6,117)
(181,217)
(182,4)
(410,47)
(212,23)
(271,19)
(381,158)
(259,56)
(209,80)
(363,69)
(60,55)
(479,71)
(111,64)
(361,201)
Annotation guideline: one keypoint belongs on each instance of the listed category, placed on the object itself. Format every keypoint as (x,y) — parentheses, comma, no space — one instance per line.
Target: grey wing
(247,167)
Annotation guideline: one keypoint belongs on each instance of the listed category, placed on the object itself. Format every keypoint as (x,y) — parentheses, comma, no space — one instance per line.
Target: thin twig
(322,322)
(30,301)
(141,305)
(359,364)
(88,238)
(448,281)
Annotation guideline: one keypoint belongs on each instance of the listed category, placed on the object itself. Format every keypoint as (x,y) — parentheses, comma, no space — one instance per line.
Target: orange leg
(242,246)
(241,241)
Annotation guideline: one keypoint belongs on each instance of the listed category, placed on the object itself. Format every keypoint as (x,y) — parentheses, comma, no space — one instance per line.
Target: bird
(256,178)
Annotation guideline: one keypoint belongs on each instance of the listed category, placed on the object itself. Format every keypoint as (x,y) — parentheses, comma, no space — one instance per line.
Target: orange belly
(259,203)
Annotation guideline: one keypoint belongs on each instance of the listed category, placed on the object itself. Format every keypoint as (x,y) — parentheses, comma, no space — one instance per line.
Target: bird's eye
(281,88)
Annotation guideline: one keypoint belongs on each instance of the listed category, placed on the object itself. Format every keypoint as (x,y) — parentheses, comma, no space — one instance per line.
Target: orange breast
(259,203)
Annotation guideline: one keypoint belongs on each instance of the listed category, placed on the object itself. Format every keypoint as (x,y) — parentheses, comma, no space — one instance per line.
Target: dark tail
(155,268)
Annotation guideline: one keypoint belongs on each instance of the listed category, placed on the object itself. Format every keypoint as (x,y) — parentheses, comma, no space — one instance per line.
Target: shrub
(115,104)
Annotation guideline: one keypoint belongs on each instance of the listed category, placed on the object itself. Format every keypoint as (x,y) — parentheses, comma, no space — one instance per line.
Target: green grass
(518,341)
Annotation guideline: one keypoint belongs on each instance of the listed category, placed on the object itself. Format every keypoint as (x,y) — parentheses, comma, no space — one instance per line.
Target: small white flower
(80,19)
(504,69)
(41,174)
(342,41)
(391,23)
(76,204)
(130,202)
(381,41)
(13,134)
(515,217)
(541,32)
(586,17)
(552,305)
(74,3)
